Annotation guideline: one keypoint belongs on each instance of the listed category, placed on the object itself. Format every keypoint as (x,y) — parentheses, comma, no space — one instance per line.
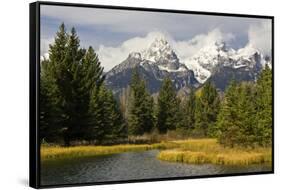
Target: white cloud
(111,56)
(44,45)
(142,22)
(185,49)
(115,20)
(260,36)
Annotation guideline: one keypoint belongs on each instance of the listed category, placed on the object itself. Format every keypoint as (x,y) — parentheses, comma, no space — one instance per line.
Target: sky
(115,33)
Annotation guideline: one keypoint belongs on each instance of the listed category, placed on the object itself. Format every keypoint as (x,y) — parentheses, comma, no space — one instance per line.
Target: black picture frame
(34,98)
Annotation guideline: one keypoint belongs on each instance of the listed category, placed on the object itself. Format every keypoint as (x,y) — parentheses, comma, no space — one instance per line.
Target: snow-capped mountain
(205,62)
(216,62)
(161,53)
(154,64)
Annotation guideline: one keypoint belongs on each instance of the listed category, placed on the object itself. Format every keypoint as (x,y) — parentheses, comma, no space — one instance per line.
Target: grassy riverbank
(58,152)
(200,151)
(193,151)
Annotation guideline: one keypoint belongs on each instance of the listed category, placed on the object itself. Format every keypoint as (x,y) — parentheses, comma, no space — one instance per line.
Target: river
(129,166)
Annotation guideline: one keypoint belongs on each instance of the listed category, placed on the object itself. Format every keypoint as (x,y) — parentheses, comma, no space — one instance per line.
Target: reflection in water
(129,166)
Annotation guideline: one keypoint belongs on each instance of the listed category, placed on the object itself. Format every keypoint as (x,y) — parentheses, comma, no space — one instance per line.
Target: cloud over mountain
(110,56)
(260,37)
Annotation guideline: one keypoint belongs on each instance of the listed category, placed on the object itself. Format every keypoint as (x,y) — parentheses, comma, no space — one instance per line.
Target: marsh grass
(192,151)
(58,152)
(202,151)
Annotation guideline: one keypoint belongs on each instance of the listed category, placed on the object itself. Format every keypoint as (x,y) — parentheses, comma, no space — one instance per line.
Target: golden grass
(57,152)
(192,151)
(199,151)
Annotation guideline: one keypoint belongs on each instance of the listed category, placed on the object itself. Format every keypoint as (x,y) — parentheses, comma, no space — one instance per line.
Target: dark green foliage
(228,116)
(116,128)
(188,112)
(236,119)
(167,107)
(264,107)
(140,111)
(245,118)
(74,99)
(58,49)
(71,87)
(107,122)
(49,113)
(207,108)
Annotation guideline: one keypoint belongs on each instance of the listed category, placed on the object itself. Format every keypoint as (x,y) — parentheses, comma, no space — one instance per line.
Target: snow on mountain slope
(200,73)
(218,54)
(207,58)
(215,61)
(161,52)
(154,64)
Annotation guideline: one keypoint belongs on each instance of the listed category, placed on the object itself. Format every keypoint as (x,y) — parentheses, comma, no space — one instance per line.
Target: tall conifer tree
(51,125)
(264,107)
(167,107)
(140,110)
(207,108)
(188,111)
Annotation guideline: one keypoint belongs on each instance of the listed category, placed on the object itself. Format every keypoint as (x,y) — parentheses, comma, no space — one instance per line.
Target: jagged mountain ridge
(205,62)
(216,62)
(154,64)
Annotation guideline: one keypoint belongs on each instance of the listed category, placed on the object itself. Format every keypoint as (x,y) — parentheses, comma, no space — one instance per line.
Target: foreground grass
(192,151)
(57,152)
(201,151)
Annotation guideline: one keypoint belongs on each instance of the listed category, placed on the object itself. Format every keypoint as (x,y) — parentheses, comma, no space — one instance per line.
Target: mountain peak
(159,41)
(154,64)
(158,47)
(162,53)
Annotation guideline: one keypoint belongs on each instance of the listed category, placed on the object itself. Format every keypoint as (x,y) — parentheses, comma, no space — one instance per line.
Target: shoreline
(191,151)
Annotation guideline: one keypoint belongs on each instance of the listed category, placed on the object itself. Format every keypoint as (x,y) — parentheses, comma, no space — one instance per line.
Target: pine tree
(73,99)
(140,108)
(107,122)
(201,121)
(188,111)
(228,116)
(57,50)
(74,102)
(245,118)
(246,112)
(115,128)
(207,108)
(264,107)
(50,111)
(167,107)
(91,82)
(49,128)
(236,119)
(92,70)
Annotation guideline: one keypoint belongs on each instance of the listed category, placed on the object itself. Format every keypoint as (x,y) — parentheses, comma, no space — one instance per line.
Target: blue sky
(113,33)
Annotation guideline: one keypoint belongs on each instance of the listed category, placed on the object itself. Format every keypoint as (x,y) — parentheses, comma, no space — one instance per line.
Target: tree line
(75,104)
(246,113)
(242,116)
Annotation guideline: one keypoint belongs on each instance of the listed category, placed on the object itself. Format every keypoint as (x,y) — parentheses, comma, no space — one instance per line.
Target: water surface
(129,166)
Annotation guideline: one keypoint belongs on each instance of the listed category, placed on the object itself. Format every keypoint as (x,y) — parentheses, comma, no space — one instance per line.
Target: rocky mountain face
(215,62)
(154,64)
(211,61)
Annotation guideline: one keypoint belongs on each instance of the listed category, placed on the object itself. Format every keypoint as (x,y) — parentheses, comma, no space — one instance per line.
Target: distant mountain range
(215,62)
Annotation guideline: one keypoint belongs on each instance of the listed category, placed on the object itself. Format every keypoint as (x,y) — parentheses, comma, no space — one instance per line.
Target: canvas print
(144,95)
